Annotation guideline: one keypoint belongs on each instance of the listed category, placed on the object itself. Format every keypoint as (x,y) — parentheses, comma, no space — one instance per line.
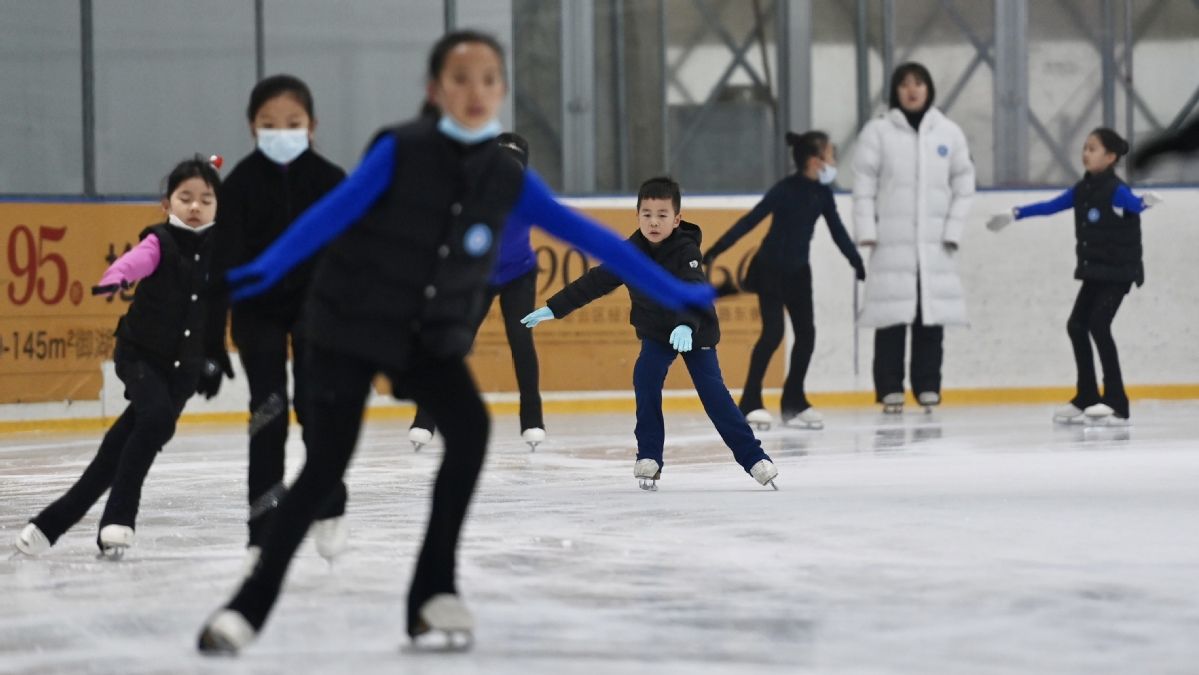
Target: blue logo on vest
(477,240)
(943,150)
(1093,215)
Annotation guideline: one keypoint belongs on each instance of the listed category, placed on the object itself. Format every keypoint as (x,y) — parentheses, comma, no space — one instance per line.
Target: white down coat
(911,195)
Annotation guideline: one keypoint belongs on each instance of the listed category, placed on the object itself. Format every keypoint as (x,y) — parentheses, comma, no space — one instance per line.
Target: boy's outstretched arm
(537,205)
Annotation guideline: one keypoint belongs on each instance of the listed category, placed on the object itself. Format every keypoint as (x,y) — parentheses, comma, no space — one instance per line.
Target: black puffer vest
(1108,243)
(409,275)
(166,321)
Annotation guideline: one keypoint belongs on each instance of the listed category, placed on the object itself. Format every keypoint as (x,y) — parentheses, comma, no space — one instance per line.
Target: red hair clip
(216,161)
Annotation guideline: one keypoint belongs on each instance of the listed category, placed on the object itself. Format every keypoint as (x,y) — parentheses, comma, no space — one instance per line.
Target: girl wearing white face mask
(268,189)
(167,350)
(781,276)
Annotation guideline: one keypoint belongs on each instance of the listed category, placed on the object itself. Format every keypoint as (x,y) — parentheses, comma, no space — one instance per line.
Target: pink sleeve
(139,263)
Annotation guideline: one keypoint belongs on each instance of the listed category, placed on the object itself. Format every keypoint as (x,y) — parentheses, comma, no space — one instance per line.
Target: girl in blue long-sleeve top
(781,276)
(411,243)
(1107,226)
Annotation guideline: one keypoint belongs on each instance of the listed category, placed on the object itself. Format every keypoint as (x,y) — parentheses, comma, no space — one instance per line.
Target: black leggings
(338,387)
(516,300)
(262,342)
(796,297)
(156,399)
(1091,319)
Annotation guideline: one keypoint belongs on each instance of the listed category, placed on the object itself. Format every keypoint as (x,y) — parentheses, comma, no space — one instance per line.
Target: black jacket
(168,320)
(257,202)
(408,277)
(679,255)
(1108,244)
(794,204)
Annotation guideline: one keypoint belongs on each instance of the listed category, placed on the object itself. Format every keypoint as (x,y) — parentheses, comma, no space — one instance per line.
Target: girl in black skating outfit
(514,281)
(263,194)
(780,273)
(1107,226)
(397,293)
(167,349)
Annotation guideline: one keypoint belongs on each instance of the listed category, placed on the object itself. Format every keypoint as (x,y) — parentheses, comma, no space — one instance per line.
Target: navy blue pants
(649,374)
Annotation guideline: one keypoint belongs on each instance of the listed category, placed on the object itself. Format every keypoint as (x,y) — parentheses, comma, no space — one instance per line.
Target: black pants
(1094,310)
(156,399)
(927,355)
(338,387)
(262,343)
(796,297)
(516,300)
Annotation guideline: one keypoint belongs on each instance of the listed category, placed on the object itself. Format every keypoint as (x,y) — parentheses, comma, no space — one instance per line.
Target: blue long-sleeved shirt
(350,200)
(515,257)
(1123,199)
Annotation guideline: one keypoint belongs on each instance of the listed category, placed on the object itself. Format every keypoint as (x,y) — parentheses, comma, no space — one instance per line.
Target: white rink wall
(1019,286)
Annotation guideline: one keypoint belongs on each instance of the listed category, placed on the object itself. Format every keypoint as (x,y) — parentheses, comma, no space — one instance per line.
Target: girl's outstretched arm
(138,263)
(1059,203)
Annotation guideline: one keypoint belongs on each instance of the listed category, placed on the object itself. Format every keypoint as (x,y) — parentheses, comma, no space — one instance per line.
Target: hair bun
(791,137)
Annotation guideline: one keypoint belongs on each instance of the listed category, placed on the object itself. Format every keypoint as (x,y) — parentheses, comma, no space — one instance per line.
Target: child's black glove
(859,268)
(215,369)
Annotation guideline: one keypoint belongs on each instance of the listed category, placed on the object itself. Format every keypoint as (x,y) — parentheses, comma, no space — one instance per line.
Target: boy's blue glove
(252,278)
(537,316)
(680,338)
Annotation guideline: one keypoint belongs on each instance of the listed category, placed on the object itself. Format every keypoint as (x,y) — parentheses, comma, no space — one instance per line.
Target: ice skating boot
(114,540)
(330,536)
(929,400)
(765,472)
(1069,414)
(444,623)
(809,418)
(760,419)
(533,436)
(32,541)
(893,404)
(419,437)
(1102,415)
(227,632)
(647,472)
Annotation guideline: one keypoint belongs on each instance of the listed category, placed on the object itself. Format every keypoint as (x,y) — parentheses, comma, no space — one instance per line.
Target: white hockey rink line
(974,540)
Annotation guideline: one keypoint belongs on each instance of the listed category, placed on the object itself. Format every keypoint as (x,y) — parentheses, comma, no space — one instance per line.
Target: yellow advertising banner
(54,334)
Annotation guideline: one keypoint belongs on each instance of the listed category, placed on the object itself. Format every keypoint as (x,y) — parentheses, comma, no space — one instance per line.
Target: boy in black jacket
(674,245)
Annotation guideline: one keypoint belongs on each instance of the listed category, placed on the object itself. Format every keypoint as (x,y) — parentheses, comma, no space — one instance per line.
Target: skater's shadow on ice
(893,439)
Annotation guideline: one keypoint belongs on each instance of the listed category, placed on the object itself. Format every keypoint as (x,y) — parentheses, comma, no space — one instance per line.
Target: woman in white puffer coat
(913,183)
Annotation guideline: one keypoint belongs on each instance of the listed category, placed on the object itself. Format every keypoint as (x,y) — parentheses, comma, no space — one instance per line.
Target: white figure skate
(810,418)
(1068,414)
(1102,415)
(330,536)
(647,472)
(929,400)
(760,419)
(533,436)
(765,472)
(419,437)
(114,541)
(893,404)
(32,541)
(445,624)
(227,632)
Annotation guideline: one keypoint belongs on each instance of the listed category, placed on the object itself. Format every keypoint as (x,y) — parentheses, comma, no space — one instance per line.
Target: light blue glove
(680,338)
(537,316)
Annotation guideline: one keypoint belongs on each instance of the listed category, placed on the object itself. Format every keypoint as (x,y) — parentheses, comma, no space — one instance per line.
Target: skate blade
(892,410)
(112,553)
(417,446)
(805,426)
(214,644)
(771,484)
(760,426)
(1069,421)
(648,484)
(438,640)
(533,445)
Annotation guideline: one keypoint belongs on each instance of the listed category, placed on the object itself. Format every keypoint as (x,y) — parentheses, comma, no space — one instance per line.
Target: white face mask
(282,146)
(828,174)
(178,222)
(451,127)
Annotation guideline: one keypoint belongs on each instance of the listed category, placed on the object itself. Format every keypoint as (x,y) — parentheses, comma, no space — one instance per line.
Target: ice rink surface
(974,540)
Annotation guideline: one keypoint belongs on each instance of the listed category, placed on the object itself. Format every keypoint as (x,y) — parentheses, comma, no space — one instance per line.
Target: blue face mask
(450,127)
(828,174)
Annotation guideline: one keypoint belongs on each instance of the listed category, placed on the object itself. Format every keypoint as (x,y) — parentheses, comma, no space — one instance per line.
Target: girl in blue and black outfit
(780,273)
(1107,226)
(409,243)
